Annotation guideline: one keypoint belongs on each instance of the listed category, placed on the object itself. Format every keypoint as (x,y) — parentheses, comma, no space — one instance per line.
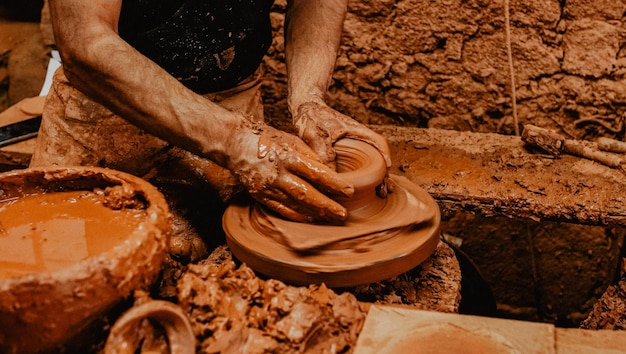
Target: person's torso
(207,45)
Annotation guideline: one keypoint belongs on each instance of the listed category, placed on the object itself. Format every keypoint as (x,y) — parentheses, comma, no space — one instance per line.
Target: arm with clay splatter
(312,36)
(276,168)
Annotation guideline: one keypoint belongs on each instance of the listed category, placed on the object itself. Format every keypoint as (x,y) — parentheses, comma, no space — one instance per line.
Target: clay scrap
(603,151)
(234,311)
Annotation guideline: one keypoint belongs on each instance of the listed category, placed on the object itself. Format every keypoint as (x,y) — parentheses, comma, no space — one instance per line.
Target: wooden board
(396,330)
(581,341)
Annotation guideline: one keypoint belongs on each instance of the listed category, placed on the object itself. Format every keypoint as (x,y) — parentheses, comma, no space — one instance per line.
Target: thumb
(324,149)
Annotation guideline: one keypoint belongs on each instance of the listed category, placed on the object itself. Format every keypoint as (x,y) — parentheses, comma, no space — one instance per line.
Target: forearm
(312,37)
(100,64)
(277,169)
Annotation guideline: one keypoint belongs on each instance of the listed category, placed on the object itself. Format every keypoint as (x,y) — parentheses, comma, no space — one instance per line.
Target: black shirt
(208,45)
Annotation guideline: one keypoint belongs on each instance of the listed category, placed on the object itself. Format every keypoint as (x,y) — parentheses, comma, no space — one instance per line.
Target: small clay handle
(124,339)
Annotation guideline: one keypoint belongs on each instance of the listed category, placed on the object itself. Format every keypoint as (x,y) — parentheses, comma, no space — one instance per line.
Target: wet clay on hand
(381,238)
(281,172)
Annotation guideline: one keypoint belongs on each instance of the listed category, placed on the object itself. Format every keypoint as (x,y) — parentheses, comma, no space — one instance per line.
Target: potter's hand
(280,171)
(321,126)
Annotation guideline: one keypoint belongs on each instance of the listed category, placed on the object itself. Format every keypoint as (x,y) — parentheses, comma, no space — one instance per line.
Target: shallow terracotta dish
(68,286)
(382,237)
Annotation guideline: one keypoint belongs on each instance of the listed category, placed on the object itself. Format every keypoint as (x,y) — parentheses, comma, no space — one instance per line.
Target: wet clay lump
(48,232)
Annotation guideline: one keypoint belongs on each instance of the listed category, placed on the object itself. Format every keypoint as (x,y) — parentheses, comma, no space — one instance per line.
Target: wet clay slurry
(48,232)
(381,238)
(87,237)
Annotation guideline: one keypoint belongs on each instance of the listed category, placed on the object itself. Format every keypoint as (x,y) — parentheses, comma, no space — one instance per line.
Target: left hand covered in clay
(320,126)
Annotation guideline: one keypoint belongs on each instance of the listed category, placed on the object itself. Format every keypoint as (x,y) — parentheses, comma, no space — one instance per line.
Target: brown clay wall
(444,64)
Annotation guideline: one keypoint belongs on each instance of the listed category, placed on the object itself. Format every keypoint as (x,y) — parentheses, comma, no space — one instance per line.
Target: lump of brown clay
(234,311)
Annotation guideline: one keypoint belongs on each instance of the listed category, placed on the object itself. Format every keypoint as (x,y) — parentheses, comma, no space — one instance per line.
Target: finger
(297,200)
(355,130)
(286,211)
(277,201)
(320,142)
(323,148)
(305,199)
(320,175)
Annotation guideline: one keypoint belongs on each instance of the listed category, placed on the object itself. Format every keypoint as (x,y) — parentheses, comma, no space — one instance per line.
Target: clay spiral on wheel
(381,238)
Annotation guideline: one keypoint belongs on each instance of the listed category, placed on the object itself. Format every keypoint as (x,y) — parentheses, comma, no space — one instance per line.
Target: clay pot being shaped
(362,166)
(74,242)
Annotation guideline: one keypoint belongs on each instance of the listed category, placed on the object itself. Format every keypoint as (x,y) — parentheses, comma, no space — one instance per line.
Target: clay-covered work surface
(492,174)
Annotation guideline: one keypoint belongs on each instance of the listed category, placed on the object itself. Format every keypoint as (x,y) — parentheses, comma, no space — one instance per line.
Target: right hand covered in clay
(281,172)
(321,126)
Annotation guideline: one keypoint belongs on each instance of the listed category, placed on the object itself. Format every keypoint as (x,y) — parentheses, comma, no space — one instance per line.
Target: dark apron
(208,45)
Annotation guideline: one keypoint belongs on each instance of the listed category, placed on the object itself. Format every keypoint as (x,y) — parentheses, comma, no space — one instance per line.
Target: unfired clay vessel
(125,337)
(381,238)
(42,311)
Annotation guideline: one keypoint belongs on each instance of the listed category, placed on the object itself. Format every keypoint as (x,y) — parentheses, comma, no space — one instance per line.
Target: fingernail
(342,213)
(348,191)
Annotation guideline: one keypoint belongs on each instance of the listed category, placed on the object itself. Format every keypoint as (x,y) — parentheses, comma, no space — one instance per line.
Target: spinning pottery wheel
(382,237)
